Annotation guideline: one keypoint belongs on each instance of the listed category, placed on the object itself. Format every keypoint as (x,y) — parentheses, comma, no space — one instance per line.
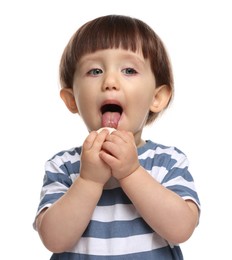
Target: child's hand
(92,166)
(120,153)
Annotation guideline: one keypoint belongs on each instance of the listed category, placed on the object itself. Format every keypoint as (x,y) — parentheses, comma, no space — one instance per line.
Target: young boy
(117,196)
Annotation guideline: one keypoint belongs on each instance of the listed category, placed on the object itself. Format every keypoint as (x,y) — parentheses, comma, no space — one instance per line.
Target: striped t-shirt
(116,230)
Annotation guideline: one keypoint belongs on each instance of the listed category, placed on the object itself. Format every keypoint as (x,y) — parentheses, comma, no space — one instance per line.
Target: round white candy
(110,129)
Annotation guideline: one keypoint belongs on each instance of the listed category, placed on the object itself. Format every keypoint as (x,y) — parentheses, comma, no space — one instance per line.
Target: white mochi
(110,129)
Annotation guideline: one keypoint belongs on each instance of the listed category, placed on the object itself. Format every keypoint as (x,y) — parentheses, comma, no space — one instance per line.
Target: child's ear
(68,97)
(162,96)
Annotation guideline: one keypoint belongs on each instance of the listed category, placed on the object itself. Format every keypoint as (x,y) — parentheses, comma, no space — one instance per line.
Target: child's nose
(110,82)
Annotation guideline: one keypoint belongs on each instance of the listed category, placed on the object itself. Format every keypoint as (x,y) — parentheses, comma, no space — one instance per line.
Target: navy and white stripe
(116,230)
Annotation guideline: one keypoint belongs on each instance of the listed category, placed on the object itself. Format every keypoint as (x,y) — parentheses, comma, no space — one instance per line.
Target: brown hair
(116,31)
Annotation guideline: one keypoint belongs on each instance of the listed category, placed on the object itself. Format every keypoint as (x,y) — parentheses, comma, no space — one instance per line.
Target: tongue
(110,119)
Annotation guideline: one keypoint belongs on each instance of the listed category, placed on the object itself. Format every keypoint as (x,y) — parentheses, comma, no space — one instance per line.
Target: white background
(35,124)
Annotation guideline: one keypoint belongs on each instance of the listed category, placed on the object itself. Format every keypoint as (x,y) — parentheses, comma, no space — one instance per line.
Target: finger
(88,143)
(109,159)
(113,149)
(123,135)
(100,138)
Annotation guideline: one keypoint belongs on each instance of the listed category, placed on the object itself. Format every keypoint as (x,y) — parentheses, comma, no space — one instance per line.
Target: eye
(129,71)
(95,72)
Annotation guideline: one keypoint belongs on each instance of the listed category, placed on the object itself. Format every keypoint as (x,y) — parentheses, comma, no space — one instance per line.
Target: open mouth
(111,108)
(111,114)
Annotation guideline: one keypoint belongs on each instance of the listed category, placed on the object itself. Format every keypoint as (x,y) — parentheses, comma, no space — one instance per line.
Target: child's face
(114,88)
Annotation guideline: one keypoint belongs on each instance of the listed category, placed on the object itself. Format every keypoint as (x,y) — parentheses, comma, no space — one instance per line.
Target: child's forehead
(113,52)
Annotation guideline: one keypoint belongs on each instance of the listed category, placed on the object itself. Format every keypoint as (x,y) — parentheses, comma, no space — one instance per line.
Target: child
(117,196)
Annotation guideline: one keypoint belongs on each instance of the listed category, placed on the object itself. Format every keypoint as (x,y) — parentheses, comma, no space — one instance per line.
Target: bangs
(111,32)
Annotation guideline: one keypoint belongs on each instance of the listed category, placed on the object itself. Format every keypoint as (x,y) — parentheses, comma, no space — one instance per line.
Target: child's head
(112,32)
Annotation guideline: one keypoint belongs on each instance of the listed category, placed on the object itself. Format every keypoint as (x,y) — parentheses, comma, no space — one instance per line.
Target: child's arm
(166,212)
(61,225)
